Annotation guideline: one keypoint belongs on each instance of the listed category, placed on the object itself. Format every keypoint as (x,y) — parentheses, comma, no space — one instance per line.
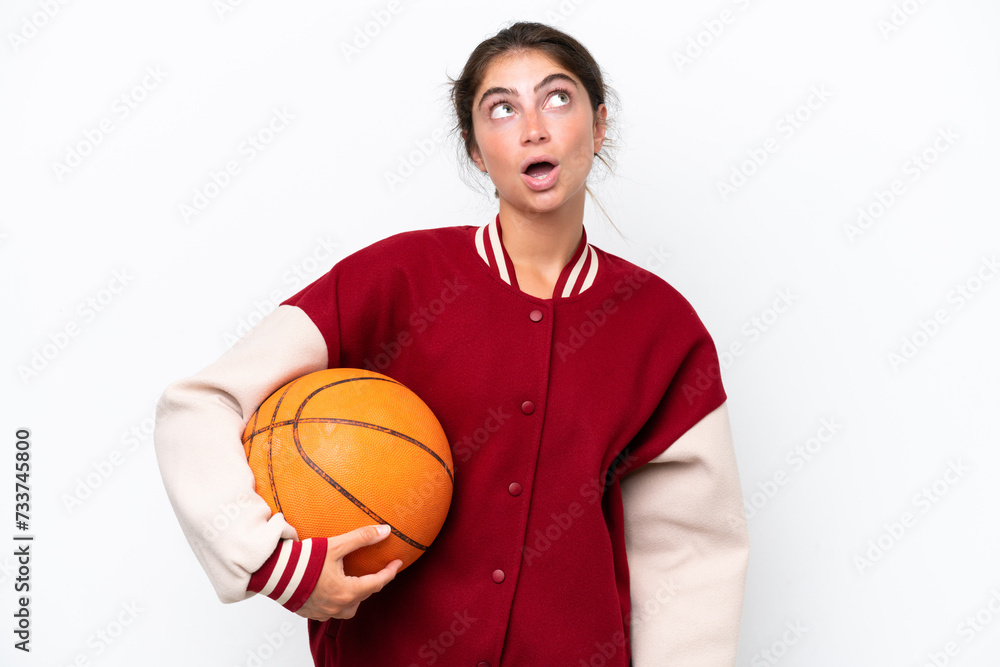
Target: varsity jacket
(596,515)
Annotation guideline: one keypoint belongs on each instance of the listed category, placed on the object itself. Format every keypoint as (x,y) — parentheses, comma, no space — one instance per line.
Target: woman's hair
(523,37)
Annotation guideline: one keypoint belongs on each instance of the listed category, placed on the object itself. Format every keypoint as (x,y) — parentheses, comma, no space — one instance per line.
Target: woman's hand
(338,595)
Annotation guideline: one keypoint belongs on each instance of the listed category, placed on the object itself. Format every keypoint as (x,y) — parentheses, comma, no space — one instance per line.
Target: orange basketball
(342,448)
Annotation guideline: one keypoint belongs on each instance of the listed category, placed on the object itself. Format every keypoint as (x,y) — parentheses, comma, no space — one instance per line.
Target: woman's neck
(540,244)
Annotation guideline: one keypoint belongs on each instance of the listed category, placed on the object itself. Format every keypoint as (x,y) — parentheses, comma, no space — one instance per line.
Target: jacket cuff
(289,575)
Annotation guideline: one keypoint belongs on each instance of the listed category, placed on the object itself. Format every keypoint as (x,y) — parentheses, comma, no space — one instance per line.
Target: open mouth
(539,170)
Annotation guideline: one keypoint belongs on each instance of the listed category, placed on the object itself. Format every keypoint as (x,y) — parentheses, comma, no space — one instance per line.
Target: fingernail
(383,530)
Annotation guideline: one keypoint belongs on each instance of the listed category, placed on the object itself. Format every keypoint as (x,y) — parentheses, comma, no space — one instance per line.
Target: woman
(581,395)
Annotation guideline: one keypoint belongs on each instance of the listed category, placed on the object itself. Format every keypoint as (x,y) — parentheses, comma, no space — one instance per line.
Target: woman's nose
(534,127)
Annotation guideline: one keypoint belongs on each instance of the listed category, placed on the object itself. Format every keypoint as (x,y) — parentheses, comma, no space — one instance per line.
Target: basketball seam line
(332,482)
(270,459)
(353,422)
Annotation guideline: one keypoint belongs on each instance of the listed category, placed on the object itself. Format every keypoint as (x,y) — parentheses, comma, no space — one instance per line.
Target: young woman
(596,516)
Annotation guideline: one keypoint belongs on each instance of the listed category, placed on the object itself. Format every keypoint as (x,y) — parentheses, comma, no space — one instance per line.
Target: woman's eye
(563,96)
(562,99)
(502,105)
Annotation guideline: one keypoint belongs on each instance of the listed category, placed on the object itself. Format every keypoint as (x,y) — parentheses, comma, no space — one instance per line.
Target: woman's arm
(199,422)
(688,546)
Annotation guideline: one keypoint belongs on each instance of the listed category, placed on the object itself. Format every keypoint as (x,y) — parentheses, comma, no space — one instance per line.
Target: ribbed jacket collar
(578,274)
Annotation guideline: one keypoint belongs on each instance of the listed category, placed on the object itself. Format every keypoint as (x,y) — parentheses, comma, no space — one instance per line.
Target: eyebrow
(556,76)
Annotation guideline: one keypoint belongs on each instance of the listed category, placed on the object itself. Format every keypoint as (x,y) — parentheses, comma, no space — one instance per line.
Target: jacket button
(527,407)
(482,663)
(498,576)
(514,488)
(535,315)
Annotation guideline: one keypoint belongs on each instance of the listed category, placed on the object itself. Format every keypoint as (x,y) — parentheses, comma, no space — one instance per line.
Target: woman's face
(517,124)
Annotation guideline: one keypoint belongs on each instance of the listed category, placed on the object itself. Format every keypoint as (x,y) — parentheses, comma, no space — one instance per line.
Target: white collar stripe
(498,253)
(494,255)
(479,245)
(592,273)
(571,279)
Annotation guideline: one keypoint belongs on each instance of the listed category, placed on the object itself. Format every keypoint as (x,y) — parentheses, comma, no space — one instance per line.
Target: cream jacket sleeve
(197,437)
(687,546)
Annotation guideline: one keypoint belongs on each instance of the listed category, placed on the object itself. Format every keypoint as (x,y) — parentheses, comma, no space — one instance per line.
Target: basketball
(342,448)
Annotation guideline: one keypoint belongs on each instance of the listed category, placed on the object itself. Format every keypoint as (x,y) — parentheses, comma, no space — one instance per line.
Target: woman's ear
(474,151)
(600,128)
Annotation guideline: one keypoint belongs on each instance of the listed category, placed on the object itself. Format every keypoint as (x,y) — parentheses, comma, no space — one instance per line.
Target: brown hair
(522,37)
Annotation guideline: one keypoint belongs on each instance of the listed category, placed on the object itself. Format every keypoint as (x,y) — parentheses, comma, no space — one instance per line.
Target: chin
(532,202)
(543,204)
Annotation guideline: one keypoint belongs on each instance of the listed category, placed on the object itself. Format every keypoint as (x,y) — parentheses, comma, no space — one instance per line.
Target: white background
(108,549)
